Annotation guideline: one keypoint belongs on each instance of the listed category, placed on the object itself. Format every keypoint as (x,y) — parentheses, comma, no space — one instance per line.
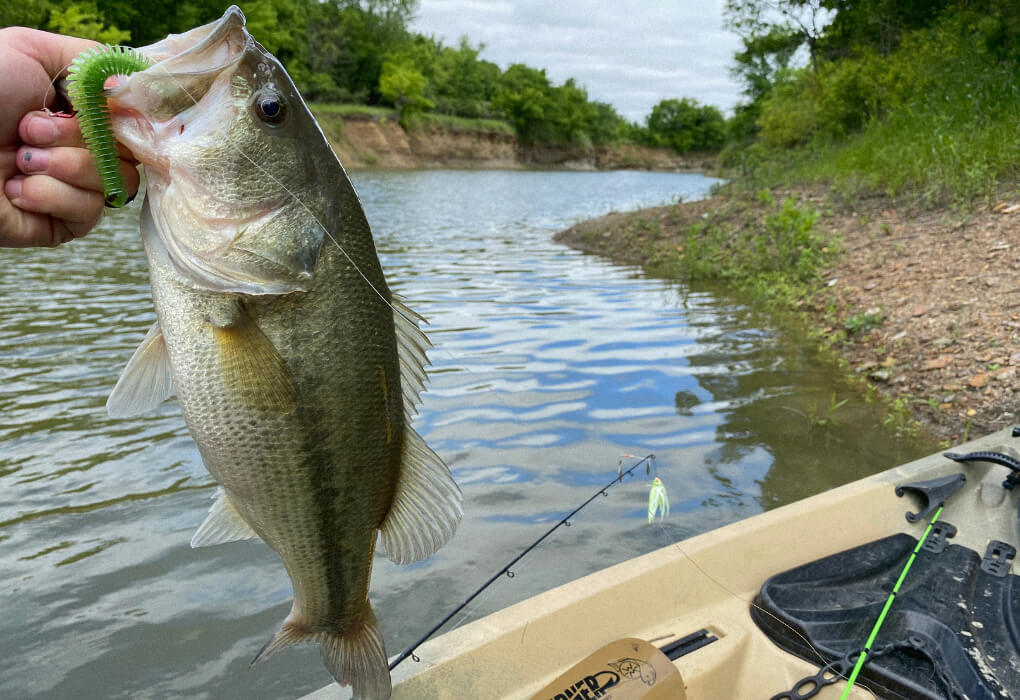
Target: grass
(352,110)
(464,124)
(771,250)
(931,155)
(323,110)
(934,122)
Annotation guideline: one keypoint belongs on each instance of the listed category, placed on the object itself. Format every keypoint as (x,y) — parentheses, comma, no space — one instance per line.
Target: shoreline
(364,142)
(922,306)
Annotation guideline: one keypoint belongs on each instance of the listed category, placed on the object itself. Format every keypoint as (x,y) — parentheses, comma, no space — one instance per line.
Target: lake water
(549,366)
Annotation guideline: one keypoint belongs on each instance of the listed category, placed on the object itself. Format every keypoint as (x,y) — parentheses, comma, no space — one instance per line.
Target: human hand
(52,191)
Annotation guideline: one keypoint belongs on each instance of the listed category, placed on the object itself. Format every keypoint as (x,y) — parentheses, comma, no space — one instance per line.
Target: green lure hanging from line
(85,80)
(658,501)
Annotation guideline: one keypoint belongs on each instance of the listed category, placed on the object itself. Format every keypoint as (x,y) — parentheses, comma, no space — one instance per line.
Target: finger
(43,129)
(79,209)
(53,51)
(24,229)
(75,166)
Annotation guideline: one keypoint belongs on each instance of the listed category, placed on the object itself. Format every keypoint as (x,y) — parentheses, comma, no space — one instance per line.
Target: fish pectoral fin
(354,656)
(223,524)
(426,506)
(252,368)
(146,381)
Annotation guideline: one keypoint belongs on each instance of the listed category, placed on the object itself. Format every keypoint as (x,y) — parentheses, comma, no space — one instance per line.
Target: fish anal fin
(223,524)
(426,505)
(354,656)
(289,634)
(146,381)
(252,368)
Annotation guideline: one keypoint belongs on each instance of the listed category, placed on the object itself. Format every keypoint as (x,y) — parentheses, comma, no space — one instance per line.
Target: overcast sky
(629,54)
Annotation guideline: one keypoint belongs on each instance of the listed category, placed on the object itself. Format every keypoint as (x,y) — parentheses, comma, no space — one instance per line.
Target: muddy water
(549,366)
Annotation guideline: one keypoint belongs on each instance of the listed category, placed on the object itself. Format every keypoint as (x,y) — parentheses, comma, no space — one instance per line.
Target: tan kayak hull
(707,581)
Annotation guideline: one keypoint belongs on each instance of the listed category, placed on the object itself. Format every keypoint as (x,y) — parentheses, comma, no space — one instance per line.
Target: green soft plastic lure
(85,80)
(658,501)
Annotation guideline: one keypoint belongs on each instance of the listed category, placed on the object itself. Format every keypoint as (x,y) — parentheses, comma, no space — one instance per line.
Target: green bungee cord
(86,77)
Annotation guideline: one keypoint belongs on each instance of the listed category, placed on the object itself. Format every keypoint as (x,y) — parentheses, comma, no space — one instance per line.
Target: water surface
(548,367)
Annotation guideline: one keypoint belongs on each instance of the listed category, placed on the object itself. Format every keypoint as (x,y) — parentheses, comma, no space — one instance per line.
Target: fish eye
(270,107)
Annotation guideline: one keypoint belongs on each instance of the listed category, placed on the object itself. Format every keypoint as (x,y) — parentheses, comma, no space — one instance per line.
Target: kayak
(780,605)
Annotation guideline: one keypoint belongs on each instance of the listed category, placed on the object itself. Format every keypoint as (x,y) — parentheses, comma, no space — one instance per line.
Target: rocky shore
(923,304)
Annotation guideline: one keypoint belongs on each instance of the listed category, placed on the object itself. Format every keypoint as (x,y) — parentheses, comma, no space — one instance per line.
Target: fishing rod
(506,570)
(885,610)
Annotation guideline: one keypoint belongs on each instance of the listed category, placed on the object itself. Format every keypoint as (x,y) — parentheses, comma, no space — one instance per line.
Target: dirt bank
(363,141)
(923,304)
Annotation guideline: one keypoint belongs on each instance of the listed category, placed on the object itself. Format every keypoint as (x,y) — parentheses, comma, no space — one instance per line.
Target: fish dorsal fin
(223,524)
(412,345)
(146,381)
(426,505)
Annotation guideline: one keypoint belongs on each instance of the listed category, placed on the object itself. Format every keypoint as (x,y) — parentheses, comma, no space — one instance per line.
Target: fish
(297,370)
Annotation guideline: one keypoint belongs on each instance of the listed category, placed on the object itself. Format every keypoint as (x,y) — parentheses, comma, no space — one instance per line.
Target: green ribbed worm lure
(86,77)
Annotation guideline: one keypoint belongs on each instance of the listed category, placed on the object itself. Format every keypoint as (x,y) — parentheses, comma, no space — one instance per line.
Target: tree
(84,20)
(802,19)
(403,86)
(523,95)
(686,126)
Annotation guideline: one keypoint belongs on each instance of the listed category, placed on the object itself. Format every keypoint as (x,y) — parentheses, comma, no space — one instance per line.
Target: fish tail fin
(355,656)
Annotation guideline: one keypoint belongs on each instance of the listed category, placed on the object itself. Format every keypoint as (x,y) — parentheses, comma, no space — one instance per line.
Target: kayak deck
(952,631)
(707,582)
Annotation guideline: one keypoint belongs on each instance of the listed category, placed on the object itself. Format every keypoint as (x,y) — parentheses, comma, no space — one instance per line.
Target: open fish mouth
(184,68)
(187,118)
(218,45)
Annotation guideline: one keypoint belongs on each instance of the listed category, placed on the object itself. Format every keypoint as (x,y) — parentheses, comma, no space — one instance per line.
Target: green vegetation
(686,126)
(361,52)
(916,98)
(773,250)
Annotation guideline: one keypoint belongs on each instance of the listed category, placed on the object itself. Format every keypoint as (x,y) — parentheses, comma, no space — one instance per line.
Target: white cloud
(630,55)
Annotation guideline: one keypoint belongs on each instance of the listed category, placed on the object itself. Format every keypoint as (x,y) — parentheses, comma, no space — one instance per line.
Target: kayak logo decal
(635,670)
(598,685)
(590,687)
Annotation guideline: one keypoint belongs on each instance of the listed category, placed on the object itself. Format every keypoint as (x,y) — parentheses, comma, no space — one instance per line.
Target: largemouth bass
(296,368)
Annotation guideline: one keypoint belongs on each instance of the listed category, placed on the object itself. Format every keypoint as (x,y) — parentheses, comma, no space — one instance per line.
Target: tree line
(363,52)
(921,88)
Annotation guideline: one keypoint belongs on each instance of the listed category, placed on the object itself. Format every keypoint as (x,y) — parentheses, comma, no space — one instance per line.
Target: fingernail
(34,161)
(41,131)
(12,188)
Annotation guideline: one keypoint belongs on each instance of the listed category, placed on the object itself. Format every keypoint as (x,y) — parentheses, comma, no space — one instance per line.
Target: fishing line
(507,569)
(91,114)
(413,317)
(539,547)
(676,544)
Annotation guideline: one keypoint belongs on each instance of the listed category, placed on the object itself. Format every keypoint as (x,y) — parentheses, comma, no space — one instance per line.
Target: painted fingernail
(41,131)
(34,161)
(12,188)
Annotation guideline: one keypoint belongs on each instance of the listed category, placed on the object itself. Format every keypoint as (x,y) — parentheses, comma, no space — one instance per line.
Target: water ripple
(548,367)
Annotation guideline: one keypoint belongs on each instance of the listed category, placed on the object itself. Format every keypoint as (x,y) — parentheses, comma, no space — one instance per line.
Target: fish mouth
(202,44)
(185,66)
